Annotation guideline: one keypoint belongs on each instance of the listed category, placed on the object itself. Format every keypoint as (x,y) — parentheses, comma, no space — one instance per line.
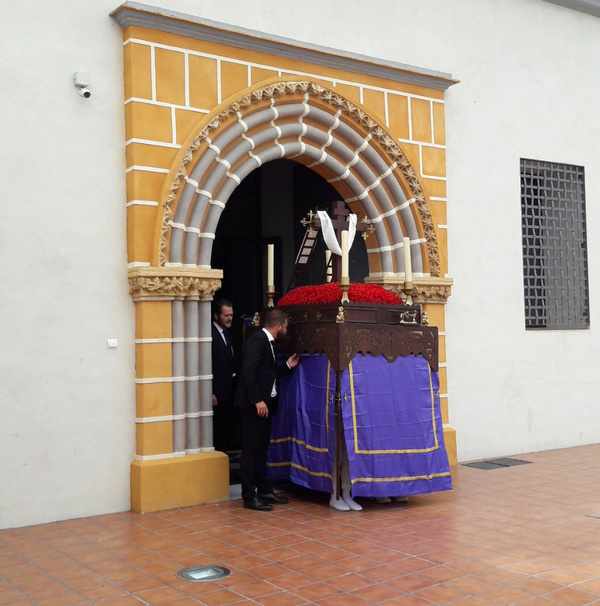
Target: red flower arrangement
(332,293)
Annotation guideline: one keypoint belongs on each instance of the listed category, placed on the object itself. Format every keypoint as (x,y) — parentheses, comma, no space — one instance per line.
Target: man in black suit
(256,397)
(224,369)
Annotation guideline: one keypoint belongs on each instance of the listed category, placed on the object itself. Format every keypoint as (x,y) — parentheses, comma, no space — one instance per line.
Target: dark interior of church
(267,208)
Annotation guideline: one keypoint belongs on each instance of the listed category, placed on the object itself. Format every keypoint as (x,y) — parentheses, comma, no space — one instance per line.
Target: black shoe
(272,498)
(258,505)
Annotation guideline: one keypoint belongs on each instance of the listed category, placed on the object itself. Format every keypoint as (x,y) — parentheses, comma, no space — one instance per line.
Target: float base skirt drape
(391,424)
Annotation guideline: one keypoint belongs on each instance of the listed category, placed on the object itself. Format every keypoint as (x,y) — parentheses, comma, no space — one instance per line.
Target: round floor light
(203,573)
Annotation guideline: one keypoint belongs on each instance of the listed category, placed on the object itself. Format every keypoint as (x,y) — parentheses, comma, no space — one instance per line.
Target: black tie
(273,350)
(228,341)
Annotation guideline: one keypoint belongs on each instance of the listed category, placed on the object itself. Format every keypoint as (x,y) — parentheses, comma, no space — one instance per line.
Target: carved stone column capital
(432,290)
(151,283)
(425,290)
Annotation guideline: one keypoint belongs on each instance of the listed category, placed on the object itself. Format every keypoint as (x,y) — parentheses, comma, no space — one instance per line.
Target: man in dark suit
(224,369)
(256,397)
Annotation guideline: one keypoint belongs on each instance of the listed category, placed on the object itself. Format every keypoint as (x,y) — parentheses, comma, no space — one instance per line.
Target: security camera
(82,80)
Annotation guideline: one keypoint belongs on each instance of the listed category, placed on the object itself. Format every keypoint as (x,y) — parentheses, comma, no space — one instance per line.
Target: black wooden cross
(339,220)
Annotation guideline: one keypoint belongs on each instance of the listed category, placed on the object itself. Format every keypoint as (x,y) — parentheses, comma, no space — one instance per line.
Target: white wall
(67,404)
(529,85)
(528,72)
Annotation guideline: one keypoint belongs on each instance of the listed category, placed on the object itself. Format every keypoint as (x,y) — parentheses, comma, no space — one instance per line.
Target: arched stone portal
(190,164)
(313,125)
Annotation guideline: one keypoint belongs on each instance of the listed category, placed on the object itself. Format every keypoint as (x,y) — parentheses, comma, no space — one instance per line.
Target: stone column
(175,464)
(205,370)
(178,391)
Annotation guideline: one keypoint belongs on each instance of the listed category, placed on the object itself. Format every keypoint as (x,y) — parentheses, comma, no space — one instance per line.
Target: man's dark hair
(274,317)
(218,305)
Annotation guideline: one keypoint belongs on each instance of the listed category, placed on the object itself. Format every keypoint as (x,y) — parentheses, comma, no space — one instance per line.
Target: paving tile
(256,589)
(411,583)
(441,594)
(324,572)
(572,596)
(472,584)
(507,541)
(159,595)
(316,591)
(343,600)
(506,595)
(291,580)
(350,582)
(535,585)
(375,594)
(220,597)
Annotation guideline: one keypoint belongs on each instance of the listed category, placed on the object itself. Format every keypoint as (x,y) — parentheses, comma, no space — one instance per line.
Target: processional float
(367,380)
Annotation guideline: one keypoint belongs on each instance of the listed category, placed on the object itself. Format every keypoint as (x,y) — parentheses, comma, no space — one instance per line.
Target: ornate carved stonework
(341,342)
(366,328)
(172,282)
(425,290)
(325,96)
(434,291)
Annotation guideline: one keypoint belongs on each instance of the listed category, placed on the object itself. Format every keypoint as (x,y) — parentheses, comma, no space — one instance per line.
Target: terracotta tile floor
(527,534)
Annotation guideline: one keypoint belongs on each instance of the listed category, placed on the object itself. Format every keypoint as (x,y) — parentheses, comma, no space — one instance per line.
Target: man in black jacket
(256,397)
(224,369)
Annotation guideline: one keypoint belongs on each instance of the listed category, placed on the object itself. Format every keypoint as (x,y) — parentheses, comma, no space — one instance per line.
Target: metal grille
(554,245)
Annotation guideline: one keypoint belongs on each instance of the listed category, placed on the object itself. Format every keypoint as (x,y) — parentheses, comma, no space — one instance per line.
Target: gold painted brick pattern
(203,82)
(439,125)
(154,400)
(147,121)
(398,116)
(153,360)
(436,315)
(144,185)
(442,238)
(352,93)
(170,76)
(438,209)
(441,348)
(450,443)
(374,103)
(153,319)
(258,74)
(154,438)
(209,64)
(234,78)
(138,74)
(421,120)
(141,220)
(185,121)
(435,188)
(173,111)
(179,482)
(434,161)
(140,154)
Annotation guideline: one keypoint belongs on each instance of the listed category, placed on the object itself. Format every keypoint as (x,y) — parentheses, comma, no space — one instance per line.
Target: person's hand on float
(261,409)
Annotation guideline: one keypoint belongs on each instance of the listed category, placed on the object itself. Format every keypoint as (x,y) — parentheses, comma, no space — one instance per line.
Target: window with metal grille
(555,271)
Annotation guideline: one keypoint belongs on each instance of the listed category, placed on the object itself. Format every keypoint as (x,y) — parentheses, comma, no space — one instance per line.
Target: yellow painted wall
(171,84)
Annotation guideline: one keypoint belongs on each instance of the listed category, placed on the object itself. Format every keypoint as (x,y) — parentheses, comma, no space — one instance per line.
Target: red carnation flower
(332,293)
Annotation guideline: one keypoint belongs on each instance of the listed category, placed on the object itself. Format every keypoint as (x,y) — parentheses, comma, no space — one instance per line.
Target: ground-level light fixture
(203,573)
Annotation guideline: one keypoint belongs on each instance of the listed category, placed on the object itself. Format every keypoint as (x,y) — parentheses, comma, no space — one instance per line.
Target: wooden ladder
(306,248)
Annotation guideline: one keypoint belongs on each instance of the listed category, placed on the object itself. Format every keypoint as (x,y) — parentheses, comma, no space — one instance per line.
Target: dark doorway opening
(267,208)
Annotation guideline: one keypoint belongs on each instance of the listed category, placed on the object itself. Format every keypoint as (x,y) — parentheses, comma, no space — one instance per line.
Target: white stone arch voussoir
(305,121)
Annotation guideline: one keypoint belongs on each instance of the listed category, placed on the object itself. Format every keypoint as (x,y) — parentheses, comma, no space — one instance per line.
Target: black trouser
(256,434)
(224,421)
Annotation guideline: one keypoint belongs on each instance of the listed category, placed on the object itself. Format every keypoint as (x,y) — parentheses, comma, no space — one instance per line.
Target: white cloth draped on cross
(329,234)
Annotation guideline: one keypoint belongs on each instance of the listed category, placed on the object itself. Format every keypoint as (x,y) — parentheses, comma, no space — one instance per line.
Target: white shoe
(354,506)
(338,504)
(383,499)
(399,499)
